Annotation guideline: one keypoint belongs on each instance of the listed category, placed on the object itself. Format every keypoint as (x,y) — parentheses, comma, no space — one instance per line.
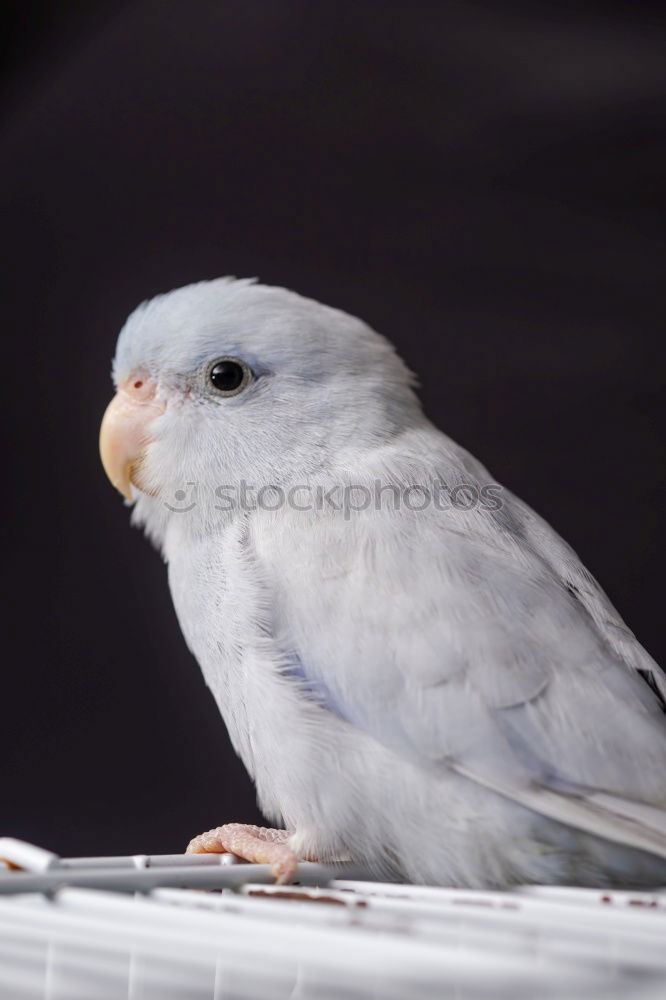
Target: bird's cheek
(125,431)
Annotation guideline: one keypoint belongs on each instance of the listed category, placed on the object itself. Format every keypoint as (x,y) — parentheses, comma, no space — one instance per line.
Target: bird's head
(229,380)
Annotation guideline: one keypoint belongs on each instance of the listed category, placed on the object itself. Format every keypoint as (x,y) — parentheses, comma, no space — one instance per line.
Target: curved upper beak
(124,435)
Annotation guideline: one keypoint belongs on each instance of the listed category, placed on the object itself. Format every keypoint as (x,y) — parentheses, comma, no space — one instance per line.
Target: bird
(417,672)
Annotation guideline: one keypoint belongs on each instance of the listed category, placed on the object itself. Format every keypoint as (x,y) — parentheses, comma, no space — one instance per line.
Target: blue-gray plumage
(439,691)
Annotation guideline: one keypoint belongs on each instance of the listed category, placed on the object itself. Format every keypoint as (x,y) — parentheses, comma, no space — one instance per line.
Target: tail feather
(611,817)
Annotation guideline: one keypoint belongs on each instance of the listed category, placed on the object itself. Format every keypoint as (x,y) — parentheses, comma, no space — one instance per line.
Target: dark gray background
(480,181)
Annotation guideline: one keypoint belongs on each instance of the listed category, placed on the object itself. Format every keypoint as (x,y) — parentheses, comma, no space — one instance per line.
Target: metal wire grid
(145,928)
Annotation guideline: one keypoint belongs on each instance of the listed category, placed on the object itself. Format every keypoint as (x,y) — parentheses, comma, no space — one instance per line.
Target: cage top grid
(145,927)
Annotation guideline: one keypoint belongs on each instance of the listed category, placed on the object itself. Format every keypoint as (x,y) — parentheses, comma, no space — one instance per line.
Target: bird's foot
(258,844)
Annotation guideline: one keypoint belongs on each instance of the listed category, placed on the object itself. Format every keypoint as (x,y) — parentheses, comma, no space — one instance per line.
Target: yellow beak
(124,436)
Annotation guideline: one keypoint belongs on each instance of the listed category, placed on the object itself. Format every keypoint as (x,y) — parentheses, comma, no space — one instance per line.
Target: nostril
(138,388)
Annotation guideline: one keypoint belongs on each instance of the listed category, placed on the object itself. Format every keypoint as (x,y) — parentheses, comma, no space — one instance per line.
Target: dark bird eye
(229,376)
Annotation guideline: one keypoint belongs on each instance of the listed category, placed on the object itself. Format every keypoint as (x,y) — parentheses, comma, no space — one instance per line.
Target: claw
(256,844)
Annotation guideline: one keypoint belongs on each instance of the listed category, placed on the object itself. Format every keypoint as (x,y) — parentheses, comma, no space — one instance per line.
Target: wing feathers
(633,824)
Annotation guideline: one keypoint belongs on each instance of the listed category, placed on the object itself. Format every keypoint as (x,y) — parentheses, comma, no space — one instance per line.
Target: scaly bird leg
(258,844)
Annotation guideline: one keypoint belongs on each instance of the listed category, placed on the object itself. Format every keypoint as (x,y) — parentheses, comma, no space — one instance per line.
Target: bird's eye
(229,376)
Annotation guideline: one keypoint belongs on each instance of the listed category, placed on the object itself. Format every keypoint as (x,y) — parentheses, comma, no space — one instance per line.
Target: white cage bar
(179,927)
